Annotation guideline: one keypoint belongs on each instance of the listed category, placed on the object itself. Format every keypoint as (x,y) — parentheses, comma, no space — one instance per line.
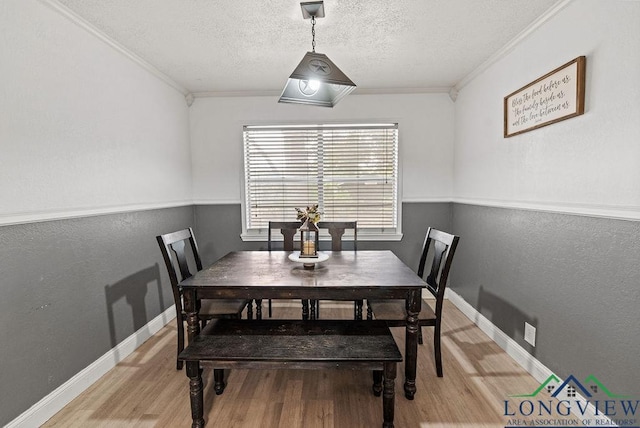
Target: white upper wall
(83,128)
(425,138)
(589,164)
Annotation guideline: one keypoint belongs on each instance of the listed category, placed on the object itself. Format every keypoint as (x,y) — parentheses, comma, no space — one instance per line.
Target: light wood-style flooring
(145,389)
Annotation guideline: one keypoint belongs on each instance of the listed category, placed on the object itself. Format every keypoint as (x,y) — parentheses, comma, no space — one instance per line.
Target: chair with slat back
(337,230)
(394,311)
(173,247)
(288,229)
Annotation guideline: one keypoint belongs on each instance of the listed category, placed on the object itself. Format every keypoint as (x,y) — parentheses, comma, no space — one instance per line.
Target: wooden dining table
(344,275)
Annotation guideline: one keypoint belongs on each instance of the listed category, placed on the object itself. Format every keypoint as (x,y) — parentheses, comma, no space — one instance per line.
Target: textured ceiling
(253,45)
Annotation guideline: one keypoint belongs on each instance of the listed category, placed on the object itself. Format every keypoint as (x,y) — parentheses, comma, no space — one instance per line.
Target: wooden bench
(293,344)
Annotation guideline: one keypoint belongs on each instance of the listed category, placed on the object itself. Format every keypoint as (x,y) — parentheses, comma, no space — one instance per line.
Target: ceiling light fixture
(316,80)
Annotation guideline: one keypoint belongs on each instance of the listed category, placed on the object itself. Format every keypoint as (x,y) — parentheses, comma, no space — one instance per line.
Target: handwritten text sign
(555,96)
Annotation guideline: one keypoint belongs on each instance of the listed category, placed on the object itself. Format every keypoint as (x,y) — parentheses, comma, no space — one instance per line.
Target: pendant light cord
(313,33)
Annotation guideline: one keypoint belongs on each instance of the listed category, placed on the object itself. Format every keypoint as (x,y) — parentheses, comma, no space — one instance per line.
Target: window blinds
(350,171)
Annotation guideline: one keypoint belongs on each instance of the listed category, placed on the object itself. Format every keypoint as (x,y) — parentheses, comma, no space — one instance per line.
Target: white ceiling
(228,46)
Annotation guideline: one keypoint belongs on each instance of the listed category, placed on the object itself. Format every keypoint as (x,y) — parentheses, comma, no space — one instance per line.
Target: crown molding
(395,91)
(233,94)
(550,13)
(190,96)
(82,23)
(357,91)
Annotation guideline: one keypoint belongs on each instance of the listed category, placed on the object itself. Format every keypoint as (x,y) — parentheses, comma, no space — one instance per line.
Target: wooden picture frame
(556,96)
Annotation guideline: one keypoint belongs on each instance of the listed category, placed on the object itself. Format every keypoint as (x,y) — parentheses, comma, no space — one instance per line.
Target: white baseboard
(535,368)
(44,409)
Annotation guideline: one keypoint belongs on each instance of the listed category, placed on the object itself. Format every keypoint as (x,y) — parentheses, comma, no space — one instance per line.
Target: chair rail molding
(76,212)
(615,212)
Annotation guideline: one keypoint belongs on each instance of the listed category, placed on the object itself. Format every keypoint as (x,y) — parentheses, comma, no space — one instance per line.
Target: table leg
(305,309)
(191,309)
(195,394)
(411,344)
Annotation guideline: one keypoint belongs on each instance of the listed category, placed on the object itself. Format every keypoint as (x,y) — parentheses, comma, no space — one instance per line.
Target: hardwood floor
(145,390)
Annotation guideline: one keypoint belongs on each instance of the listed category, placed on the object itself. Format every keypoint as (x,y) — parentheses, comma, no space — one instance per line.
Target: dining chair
(394,311)
(173,246)
(288,229)
(337,230)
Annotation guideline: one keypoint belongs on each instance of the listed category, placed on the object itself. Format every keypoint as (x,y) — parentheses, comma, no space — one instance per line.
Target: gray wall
(218,230)
(71,291)
(575,278)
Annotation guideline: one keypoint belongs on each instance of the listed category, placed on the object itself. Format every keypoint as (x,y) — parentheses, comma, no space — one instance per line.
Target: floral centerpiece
(311,214)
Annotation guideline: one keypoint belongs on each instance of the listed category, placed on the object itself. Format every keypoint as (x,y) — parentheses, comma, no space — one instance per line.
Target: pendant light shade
(316,80)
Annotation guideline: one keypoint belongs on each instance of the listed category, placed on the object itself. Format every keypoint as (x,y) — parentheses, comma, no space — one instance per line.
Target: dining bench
(293,344)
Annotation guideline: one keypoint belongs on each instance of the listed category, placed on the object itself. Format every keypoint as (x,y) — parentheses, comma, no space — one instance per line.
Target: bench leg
(388,395)
(313,304)
(357,309)
(195,393)
(218,379)
(259,309)
(377,383)
(250,310)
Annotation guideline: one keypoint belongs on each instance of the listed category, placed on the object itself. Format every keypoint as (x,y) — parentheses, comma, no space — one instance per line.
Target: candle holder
(308,240)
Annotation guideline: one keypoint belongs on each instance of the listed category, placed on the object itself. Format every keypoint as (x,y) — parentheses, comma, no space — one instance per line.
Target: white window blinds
(350,171)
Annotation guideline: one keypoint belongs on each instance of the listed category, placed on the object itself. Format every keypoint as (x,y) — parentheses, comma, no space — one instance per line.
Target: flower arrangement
(311,213)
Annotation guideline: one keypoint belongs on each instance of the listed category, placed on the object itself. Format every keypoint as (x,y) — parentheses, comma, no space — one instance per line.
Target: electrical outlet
(529,334)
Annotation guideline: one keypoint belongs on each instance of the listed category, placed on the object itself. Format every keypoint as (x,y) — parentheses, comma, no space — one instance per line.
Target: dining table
(343,275)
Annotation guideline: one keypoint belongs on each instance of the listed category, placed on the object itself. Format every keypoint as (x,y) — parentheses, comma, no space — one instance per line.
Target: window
(350,171)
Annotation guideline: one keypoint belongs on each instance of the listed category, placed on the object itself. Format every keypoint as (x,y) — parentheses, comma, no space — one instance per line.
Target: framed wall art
(556,96)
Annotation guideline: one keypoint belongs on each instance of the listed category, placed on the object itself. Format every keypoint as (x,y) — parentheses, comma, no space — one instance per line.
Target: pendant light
(316,80)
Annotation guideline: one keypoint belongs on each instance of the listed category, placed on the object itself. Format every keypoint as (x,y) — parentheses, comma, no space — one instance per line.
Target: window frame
(256,235)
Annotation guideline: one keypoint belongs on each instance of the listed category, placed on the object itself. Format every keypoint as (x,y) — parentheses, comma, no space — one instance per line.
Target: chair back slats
(288,229)
(439,249)
(178,249)
(175,243)
(444,247)
(336,230)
